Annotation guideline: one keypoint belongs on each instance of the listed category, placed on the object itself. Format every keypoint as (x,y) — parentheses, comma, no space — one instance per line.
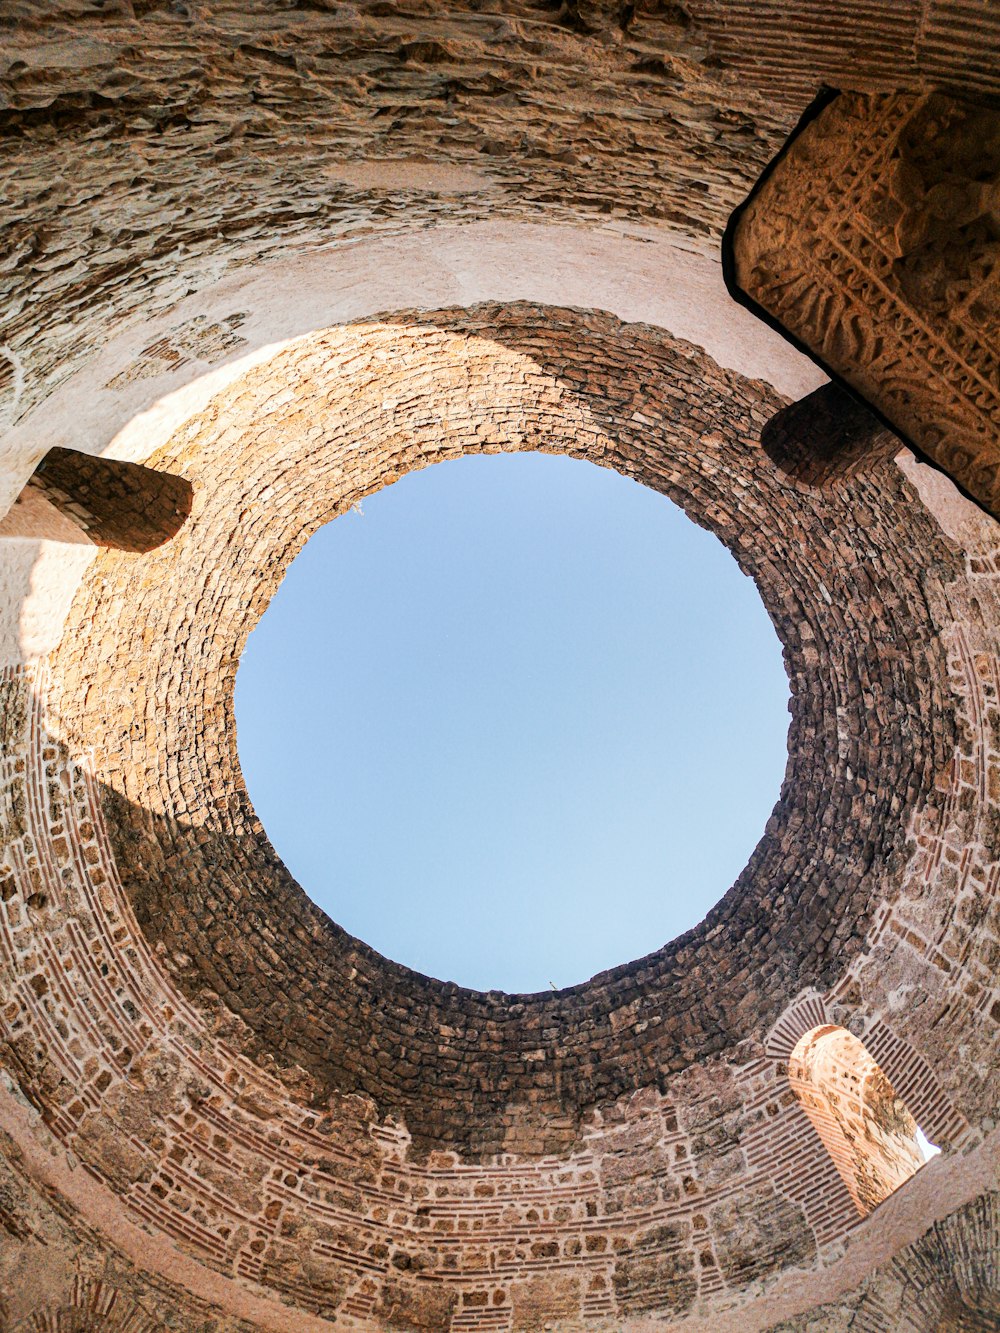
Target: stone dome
(262,259)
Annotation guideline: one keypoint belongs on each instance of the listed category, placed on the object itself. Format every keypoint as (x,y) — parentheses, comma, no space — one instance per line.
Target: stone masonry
(279,253)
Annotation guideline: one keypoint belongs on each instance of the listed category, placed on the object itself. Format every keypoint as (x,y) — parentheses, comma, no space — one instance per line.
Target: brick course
(319,1127)
(217,1111)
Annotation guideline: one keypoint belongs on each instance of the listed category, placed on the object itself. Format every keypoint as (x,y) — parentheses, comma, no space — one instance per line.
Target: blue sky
(518,721)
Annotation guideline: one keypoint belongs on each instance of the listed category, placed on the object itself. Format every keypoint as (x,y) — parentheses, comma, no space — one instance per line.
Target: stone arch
(865,1126)
(257,1123)
(908,1072)
(92,1306)
(338,414)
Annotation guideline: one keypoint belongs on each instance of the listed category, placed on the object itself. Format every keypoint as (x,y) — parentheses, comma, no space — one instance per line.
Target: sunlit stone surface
(290,253)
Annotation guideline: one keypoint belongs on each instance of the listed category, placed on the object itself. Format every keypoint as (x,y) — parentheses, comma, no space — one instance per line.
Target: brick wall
(219,1112)
(73,496)
(209,1047)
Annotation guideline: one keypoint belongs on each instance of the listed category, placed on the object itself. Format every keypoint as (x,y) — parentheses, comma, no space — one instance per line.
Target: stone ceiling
(289,252)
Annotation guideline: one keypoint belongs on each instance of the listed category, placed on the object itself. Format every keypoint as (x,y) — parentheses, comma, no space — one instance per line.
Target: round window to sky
(513,721)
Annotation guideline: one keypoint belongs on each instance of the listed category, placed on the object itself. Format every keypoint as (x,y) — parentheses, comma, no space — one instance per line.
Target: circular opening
(518,721)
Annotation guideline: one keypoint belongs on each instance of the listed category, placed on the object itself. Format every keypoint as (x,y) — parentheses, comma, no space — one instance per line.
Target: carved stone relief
(875,242)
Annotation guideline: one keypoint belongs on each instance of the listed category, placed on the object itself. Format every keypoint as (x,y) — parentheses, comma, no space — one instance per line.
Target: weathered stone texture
(755,1234)
(190,849)
(651,1177)
(875,241)
(826,437)
(218,1112)
(865,1125)
(141,155)
(148,148)
(947,1281)
(107,502)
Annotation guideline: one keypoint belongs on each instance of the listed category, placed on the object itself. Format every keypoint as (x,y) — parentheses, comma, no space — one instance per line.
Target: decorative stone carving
(875,242)
(218,1112)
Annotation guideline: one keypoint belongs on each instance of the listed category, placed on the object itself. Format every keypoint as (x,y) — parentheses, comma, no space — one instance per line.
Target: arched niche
(865,1126)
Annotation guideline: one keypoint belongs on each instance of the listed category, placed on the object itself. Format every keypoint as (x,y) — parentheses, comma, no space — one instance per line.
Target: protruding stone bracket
(79,498)
(826,437)
(873,243)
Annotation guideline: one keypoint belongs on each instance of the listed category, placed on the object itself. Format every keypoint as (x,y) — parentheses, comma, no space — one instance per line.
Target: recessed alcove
(514,721)
(865,1126)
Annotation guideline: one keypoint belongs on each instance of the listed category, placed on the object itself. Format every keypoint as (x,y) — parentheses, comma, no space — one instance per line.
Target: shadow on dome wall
(80,498)
(476,1095)
(826,437)
(208,888)
(167,1073)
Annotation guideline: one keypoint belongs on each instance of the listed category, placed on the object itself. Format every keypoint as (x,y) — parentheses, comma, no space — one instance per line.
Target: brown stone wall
(148,149)
(439,1159)
(946,1281)
(220,1113)
(195,859)
(826,437)
(73,496)
(671,1204)
(791,50)
(143,156)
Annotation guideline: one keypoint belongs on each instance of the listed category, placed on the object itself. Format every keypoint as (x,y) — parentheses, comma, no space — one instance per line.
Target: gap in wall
(516,721)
